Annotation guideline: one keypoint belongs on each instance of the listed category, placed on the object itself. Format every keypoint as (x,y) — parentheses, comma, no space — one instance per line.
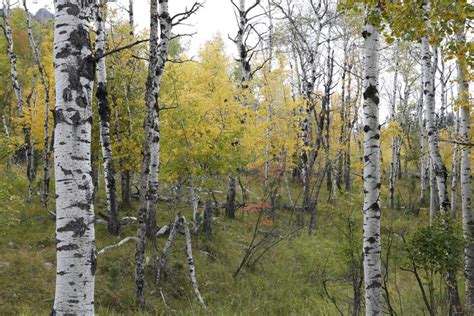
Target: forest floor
(299,275)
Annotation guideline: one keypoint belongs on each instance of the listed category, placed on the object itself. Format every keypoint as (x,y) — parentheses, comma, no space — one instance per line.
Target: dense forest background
(322,168)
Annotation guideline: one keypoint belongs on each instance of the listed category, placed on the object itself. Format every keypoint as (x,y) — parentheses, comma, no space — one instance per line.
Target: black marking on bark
(371,240)
(371,93)
(367,128)
(93,262)
(71,9)
(81,102)
(67,95)
(78,255)
(374,285)
(366,34)
(68,247)
(78,227)
(66,172)
(61,273)
(75,118)
(82,206)
(375,207)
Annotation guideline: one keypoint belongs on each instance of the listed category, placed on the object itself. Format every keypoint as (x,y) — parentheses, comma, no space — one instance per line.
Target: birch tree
(149,175)
(45,85)
(371,242)
(7,31)
(466,173)
(455,170)
(75,246)
(159,48)
(393,140)
(438,167)
(113,223)
(245,54)
(306,43)
(423,158)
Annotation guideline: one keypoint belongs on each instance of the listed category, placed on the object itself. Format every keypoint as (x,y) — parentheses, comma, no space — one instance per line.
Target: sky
(216,17)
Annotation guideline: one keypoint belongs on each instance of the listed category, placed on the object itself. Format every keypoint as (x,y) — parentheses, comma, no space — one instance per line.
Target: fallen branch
(192,268)
(161,266)
(122,242)
(163,230)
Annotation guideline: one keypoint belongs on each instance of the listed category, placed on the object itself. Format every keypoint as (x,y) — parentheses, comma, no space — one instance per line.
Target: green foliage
(12,202)
(438,247)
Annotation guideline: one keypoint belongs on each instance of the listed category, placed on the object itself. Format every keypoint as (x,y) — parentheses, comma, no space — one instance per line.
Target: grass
(287,281)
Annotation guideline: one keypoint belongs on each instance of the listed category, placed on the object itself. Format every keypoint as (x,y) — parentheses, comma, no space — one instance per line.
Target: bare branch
(186,14)
(118,49)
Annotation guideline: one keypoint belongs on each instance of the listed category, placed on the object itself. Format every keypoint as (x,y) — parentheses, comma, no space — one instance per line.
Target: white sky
(216,17)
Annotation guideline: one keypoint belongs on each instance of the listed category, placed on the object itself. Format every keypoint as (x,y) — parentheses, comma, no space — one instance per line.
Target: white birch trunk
(194,202)
(192,268)
(444,99)
(243,58)
(270,105)
(30,167)
(429,103)
(423,171)
(393,140)
(163,263)
(159,46)
(131,20)
(45,85)
(455,172)
(466,179)
(74,72)
(7,30)
(113,222)
(7,136)
(152,103)
(371,243)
